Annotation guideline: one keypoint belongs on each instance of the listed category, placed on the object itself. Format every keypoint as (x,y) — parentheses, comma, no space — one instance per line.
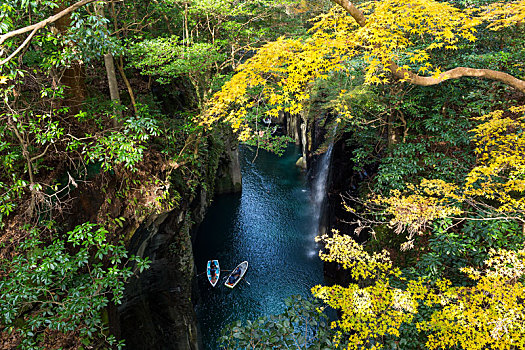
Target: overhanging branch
(454,73)
(28,39)
(353,11)
(37,26)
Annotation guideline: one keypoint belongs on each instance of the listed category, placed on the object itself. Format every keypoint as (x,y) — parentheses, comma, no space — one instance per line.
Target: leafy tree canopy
(392,38)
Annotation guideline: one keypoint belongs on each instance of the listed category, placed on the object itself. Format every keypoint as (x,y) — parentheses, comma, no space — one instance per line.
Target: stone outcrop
(157,312)
(229,169)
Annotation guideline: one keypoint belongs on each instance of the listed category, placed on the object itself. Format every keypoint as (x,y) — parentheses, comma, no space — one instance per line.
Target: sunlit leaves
(168,58)
(496,182)
(504,14)
(488,314)
(369,313)
(500,173)
(402,32)
(431,200)
(344,250)
(278,77)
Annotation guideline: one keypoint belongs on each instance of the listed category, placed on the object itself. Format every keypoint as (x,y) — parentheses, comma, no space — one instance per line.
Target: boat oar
(247,282)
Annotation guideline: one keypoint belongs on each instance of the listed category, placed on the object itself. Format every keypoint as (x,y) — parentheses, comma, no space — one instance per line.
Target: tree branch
(28,39)
(35,27)
(454,73)
(353,11)
(41,154)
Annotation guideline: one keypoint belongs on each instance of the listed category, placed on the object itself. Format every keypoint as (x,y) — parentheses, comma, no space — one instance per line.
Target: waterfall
(319,188)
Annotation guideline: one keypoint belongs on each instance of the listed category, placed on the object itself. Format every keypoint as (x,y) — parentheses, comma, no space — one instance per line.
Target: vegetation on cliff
(98,133)
(441,158)
(109,108)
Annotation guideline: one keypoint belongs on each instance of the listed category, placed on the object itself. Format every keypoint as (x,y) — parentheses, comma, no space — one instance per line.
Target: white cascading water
(319,196)
(319,188)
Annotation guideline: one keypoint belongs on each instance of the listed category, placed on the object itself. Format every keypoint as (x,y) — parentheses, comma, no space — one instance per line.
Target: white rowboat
(236,275)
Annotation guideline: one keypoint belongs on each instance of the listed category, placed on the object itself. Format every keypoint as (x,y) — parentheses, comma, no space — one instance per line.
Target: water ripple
(270,225)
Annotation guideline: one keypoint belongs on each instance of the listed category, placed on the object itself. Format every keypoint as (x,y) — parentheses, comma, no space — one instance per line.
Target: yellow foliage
(281,74)
(431,200)
(500,173)
(498,178)
(371,311)
(344,250)
(278,77)
(392,29)
(503,14)
(490,314)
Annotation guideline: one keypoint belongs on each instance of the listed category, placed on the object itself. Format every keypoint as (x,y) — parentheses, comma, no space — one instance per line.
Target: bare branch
(41,154)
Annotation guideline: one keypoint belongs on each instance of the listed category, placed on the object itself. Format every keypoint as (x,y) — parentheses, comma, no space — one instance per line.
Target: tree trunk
(112,76)
(392,136)
(120,66)
(120,62)
(73,76)
(113,86)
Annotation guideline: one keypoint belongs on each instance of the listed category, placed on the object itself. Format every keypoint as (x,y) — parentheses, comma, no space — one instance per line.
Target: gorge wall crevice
(157,312)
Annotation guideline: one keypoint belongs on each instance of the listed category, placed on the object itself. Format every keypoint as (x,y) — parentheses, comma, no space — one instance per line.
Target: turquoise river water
(272,225)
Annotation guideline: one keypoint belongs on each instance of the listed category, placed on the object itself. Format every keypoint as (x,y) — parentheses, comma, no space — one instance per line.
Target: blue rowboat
(213,271)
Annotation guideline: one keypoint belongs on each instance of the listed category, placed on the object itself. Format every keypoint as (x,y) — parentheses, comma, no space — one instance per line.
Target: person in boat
(213,270)
(234,276)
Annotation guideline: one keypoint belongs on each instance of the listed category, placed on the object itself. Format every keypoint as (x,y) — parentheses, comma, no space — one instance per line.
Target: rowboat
(213,270)
(236,275)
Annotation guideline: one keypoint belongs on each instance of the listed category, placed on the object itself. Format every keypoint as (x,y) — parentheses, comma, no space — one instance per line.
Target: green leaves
(123,146)
(61,289)
(300,326)
(169,58)
(115,148)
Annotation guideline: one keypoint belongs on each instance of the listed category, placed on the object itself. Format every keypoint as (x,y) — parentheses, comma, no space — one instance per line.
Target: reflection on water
(271,225)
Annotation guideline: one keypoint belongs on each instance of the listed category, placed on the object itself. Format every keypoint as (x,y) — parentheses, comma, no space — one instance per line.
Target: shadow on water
(271,225)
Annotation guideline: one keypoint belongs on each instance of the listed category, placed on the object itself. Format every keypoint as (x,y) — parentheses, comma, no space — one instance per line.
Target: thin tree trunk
(73,76)
(120,66)
(113,85)
(391,131)
(112,76)
(25,153)
(120,63)
(186,24)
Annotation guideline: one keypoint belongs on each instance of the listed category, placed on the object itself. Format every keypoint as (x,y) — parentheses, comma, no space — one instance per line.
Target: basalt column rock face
(293,127)
(229,169)
(157,312)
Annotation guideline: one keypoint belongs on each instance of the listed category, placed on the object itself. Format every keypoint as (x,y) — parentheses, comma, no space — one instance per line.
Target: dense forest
(117,114)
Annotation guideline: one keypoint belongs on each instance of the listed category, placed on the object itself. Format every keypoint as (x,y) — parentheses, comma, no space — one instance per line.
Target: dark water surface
(271,225)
